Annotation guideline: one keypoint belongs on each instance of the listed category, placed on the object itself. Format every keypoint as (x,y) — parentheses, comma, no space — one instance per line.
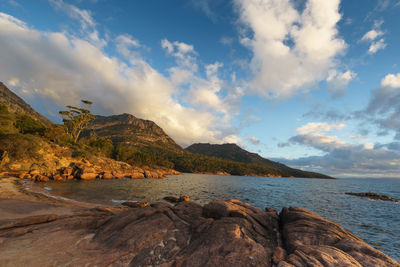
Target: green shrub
(20,146)
(79,154)
(27,125)
(4,110)
(98,145)
(58,135)
(6,121)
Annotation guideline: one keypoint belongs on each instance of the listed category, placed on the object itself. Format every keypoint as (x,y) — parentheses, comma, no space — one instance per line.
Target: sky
(309,83)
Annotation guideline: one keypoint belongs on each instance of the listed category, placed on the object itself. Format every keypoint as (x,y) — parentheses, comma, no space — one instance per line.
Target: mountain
(17,105)
(235,153)
(127,129)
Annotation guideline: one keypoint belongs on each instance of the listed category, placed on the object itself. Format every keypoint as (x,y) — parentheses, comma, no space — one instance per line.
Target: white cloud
(391,80)
(376,46)
(127,46)
(372,35)
(203,93)
(184,54)
(84,17)
(291,50)
(62,68)
(14,81)
(255,141)
(338,82)
(319,141)
(312,134)
(317,127)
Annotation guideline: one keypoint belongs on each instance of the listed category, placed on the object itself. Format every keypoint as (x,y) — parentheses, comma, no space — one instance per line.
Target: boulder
(118,175)
(58,177)
(88,176)
(148,174)
(136,175)
(107,175)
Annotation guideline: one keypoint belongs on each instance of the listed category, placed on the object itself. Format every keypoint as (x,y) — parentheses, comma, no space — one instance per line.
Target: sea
(375,221)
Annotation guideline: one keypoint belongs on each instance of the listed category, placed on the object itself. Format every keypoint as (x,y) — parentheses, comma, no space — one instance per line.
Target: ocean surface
(377,222)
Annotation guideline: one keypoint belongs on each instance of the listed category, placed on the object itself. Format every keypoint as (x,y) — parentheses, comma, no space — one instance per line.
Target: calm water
(377,222)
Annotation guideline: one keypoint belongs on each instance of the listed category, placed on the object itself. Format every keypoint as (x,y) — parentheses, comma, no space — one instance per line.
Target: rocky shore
(36,231)
(82,169)
(374,196)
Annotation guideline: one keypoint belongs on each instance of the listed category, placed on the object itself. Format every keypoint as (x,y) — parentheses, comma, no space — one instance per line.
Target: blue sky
(313,84)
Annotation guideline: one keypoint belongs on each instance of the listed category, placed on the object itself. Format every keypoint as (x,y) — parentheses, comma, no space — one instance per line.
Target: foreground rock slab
(220,233)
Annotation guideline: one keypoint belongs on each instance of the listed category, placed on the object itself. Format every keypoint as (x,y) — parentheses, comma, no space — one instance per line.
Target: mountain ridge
(234,152)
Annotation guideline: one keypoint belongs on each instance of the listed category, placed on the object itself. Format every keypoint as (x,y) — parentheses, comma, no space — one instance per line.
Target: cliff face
(235,153)
(17,105)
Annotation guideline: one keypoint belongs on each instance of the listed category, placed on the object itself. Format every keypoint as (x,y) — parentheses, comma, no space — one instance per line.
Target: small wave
(48,188)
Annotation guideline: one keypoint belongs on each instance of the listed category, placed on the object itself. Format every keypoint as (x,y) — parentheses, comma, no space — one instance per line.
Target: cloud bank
(358,157)
(65,68)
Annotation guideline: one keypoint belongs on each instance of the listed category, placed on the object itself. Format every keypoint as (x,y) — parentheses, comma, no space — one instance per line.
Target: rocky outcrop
(221,233)
(374,196)
(313,241)
(100,168)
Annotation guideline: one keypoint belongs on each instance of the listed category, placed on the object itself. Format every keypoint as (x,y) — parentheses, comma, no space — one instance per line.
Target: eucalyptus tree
(76,119)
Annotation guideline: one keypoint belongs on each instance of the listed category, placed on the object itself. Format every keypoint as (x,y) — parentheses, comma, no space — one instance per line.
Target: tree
(76,119)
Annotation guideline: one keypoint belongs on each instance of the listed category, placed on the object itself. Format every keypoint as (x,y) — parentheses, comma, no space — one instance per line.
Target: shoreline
(53,231)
